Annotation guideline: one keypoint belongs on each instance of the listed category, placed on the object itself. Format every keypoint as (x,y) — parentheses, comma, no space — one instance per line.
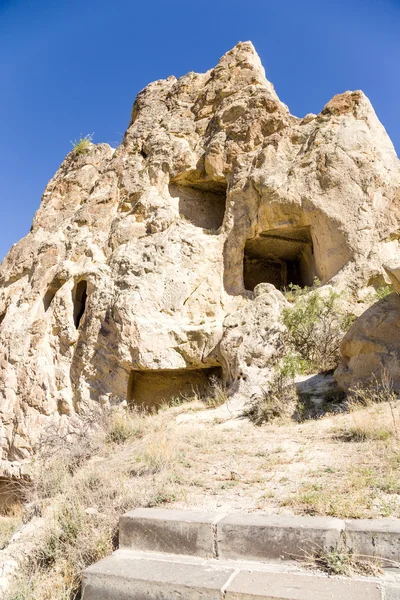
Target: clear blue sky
(71,67)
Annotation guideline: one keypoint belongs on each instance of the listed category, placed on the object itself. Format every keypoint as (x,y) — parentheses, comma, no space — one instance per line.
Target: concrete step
(130,575)
(170,531)
(256,537)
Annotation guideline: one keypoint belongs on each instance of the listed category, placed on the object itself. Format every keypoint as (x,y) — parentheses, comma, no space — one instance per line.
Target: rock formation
(152,267)
(371,348)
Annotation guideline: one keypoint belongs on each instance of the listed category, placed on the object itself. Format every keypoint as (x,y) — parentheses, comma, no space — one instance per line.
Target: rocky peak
(155,266)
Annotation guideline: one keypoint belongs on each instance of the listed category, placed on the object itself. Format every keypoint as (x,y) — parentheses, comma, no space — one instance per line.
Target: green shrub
(292,292)
(316,323)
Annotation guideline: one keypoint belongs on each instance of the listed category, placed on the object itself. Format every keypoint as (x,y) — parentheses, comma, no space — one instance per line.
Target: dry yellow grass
(9,524)
(85,482)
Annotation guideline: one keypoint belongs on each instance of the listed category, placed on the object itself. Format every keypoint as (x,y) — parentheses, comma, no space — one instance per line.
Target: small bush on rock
(315,323)
(82,145)
(315,326)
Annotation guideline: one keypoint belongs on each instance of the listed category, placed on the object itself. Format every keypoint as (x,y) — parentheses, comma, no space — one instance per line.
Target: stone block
(250,585)
(171,531)
(259,537)
(375,538)
(392,591)
(121,577)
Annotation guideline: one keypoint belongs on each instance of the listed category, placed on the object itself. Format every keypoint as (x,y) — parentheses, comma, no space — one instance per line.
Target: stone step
(170,531)
(130,575)
(254,536)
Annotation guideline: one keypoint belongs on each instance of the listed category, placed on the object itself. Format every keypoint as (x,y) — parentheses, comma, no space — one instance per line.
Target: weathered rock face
(371,348)
(143,260)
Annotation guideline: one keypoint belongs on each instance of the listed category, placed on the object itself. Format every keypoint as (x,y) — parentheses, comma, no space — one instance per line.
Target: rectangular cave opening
(202,204)
(281,256)
(150,389)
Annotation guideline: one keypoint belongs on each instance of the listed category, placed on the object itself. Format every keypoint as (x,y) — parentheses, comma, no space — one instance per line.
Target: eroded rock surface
(146,258)
(371,348)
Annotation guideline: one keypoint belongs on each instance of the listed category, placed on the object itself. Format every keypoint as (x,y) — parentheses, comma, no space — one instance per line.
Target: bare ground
(345,465)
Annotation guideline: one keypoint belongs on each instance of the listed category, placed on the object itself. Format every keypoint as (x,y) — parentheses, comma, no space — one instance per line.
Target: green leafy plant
(315,323)
(315,326)
(292,292)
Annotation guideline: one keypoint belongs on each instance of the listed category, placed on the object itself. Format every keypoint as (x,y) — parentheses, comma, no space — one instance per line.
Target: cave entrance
(79,299)
(150,389)
(53,288)
(281,256)
(202,204)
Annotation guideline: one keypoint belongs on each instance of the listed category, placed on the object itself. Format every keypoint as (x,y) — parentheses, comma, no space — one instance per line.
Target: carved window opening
(80,299)
(55,285)
(281,256)
(151,389)
(202,204)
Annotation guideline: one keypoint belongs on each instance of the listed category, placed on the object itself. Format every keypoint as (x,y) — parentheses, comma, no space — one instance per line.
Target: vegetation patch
(82,484)
(344,562)
(116,460)
(9,524)
(364,424)
(315,324)
(82,145)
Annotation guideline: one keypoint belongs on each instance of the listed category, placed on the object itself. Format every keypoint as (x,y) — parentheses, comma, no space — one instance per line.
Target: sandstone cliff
(152,267)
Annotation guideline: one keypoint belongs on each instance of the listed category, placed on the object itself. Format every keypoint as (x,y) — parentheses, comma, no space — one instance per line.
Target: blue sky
(75,67)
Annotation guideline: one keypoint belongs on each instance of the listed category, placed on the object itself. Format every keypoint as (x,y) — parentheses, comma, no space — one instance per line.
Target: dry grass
(116,461)
(365,425)
(216,396)
(367,483)
(82,145)
(344,562)
(125,462)
(364,429)
(9,524)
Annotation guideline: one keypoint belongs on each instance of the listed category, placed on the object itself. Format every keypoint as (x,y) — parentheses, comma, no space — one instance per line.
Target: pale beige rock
(371,348)
(158,230)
